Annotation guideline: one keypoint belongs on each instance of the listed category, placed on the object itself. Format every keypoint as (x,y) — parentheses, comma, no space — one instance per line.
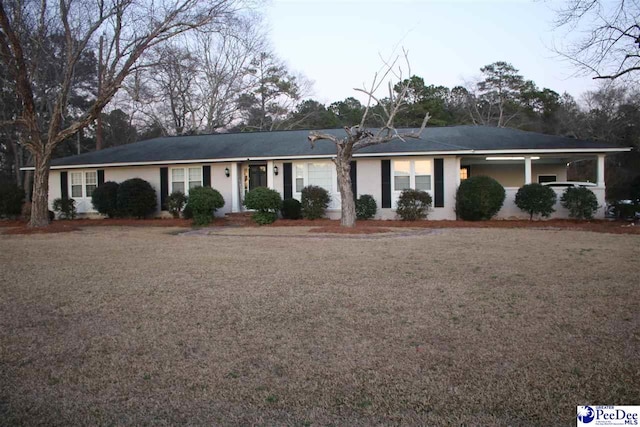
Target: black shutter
(164,188)
(438,189)
(206,176)
(286,177)
(64,185)
(354,179)
(386,183)
(100,177)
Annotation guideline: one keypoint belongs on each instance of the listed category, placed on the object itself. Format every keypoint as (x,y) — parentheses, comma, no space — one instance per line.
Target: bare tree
(129,29)
(226,56)
(359,137)
(611,46)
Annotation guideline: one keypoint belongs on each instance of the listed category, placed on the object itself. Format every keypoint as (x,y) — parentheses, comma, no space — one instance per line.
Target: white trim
(395,194)
(235,188)
(527,170)
(356,155)
(186,180)
(600,171)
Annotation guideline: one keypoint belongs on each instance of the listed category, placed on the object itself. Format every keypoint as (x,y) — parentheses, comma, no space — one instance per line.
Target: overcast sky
(336,44)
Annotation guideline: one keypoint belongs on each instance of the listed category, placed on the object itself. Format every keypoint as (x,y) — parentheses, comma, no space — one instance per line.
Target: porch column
(235,194)
(270,174)
(527,170)
(600,175)
(457,163)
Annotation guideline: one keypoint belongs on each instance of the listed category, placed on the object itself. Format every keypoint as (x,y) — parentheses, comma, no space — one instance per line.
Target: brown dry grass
(142,326)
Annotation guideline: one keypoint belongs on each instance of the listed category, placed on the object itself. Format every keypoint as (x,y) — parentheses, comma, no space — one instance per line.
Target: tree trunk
(348,206)
(27,186)
(40,196)
(99,137)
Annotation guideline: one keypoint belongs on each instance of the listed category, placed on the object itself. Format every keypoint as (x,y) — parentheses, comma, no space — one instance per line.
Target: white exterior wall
(151,174)
(222,183)
(54,187)
(369,181)
(511,211)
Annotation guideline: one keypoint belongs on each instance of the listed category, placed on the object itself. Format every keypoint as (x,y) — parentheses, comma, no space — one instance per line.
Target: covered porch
(514,171)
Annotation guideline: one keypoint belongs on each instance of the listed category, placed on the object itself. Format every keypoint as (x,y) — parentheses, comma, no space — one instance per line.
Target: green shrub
(263,218)
(413,204)
(136,198)
(203,203)
(66,208)
(176,202)
(11,198)
(187,213)
(265,202)
(580,201)
(366,207)
(315,201)
(479,198)
(105,198)
(536,199)
(291,209)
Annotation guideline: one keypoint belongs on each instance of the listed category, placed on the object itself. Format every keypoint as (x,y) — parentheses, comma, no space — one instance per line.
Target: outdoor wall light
(275,170)
(226,172)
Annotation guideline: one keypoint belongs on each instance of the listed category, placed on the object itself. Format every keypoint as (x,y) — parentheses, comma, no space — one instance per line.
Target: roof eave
(356,155)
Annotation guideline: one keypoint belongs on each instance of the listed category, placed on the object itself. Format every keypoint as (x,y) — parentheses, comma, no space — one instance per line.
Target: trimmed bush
(580,201)
(479,198)
(291,209)
(187,213)
(136,198)
(315,201)
(413,204)
(105,199)
(66,208)
(536,199)
(11,198)
(203,203)
(176,202)
(265,202)
(366,207)
(263,218)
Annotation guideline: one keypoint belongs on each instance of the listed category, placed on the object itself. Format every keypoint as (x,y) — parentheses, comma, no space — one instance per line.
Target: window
(76,184)
(184,179)
(83,183)
(464,172)
(91,182)
(320,175)
(423,175)
(414,174)
(401,175)
(299,178)
(195,177)
(177,180)
(546,178)
(315,173)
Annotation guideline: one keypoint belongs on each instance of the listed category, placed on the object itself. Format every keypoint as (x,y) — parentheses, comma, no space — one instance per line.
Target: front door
(257,176)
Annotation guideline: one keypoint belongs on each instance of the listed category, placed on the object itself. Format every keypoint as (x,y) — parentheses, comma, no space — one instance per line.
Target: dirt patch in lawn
(60,226)
(599,226)
(328,226)
(137,326)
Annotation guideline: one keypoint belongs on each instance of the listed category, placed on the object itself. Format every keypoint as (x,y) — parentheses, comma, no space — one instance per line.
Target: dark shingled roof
(283,144)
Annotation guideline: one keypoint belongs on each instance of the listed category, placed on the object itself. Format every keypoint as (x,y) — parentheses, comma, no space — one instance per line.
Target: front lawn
(282,326)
